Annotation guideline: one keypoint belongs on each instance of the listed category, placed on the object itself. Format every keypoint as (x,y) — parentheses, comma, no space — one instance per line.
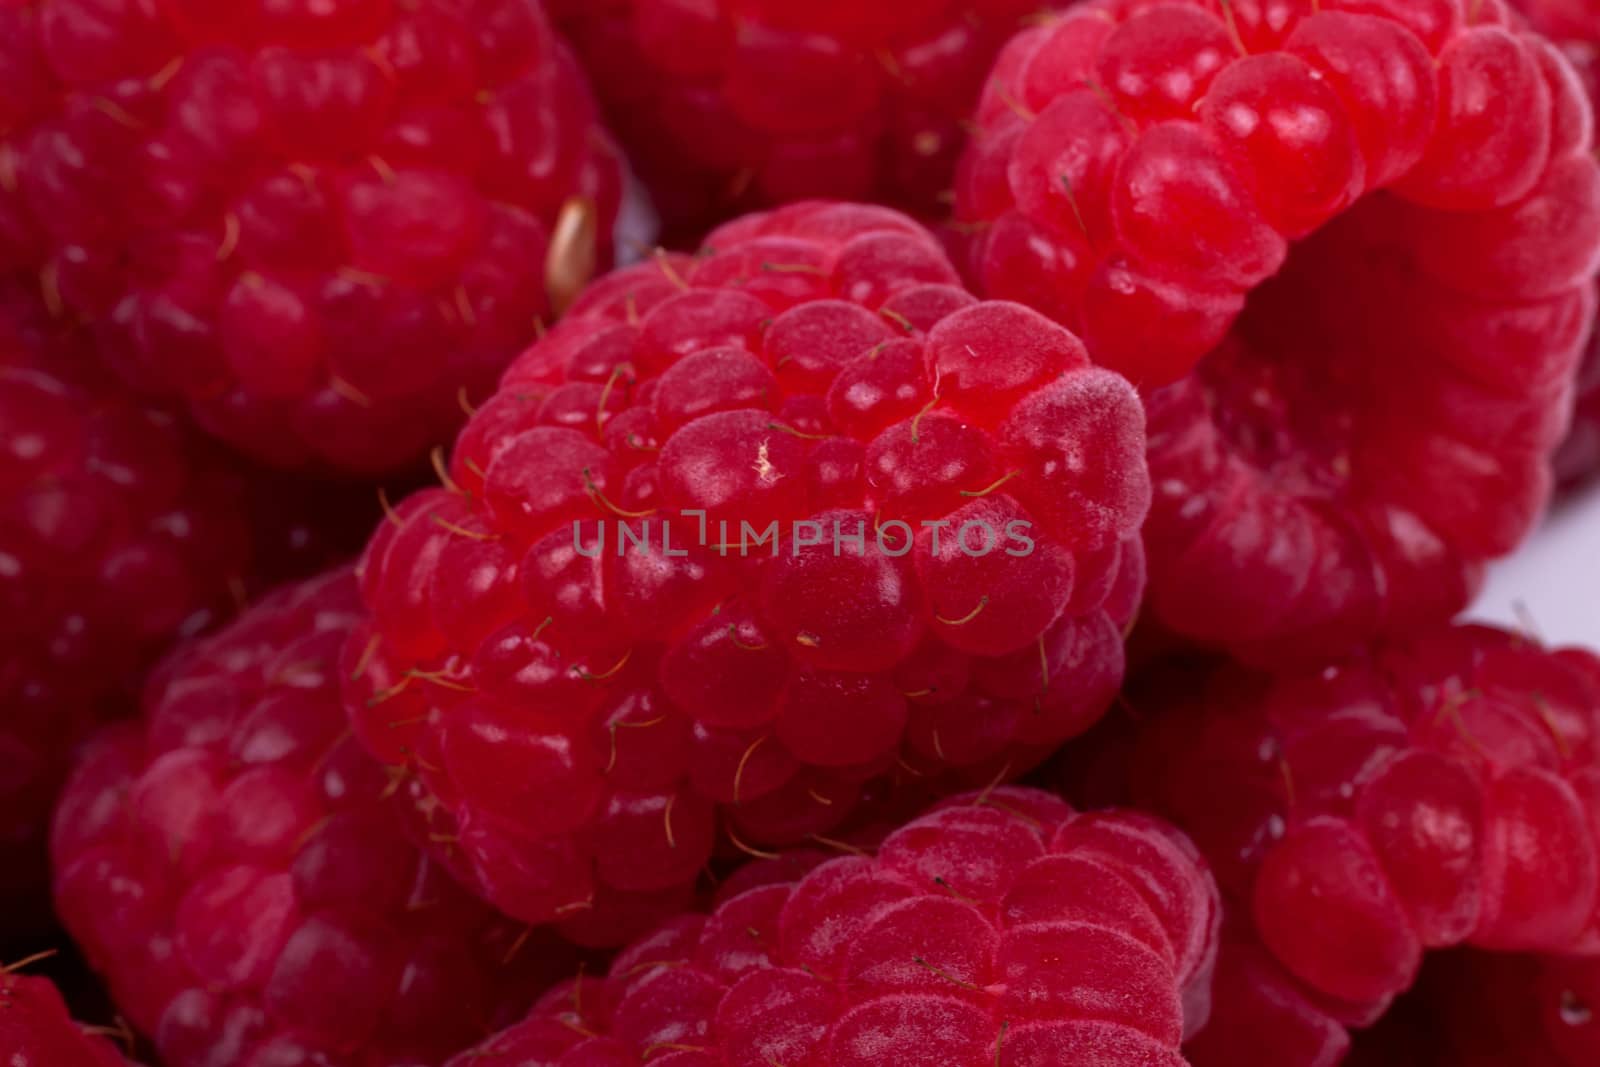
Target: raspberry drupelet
(316,221)
(601,673)
(1000,928)
(37,1031)
(1346,249)
(234,868)
(1436,792)
(121,530)
(729,105)
(1575,26)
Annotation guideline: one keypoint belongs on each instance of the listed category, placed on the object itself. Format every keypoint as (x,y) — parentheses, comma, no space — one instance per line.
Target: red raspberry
(36,1031)
(728,105)
(233,867)
(1346,247)
(120,530)
(1432,793)
(998,929)
(1259,1015)
(1565,21)
(314,220)
(1575,26)
(582,721)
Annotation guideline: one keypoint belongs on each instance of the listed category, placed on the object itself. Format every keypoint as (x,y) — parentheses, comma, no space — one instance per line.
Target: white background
(1552,587)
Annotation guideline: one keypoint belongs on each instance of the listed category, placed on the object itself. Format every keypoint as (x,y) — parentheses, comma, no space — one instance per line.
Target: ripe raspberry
(729,105)
(1260,1016)
(120,530)
(314,220)
(582,716)
(998,929)
(1567,22)
(233,867)
(36,1031)
(1347,248)
(1575,26)
(1432,793)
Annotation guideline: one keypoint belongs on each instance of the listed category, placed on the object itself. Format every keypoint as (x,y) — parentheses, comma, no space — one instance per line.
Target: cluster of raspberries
(795,446)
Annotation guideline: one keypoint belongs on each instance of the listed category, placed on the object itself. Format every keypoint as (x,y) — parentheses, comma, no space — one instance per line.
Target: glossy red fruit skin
(728,106)
(1436,792)
(585,728)
(999,927)
(232,866)
(1345,249)
(37,1031)
(315,223)
(121,531)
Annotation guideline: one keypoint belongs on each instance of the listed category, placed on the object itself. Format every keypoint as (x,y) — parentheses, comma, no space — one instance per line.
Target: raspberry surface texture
(730,105)
(316,221)
(36,1031)
(1439,792)
(1000,928)
(1572,23)
(745,534)
(121,530)
(232,866)
(1575,26)
(1346,249)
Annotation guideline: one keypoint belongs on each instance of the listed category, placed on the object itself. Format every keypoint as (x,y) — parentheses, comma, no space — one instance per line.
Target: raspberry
(1564,21)
(233,867)
(750,103)
(120,531)
(1575,26)
(316,221)
(36,1031)
(1257,1012)
(1436,792)
(1000,928)
(589,720)
(1347,251)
